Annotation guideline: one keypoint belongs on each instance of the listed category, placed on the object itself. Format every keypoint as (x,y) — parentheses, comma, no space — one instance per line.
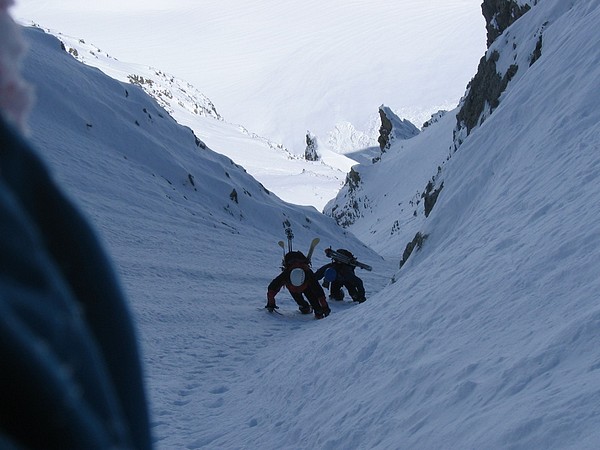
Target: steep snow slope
(498,319)
(487,339)
(107,129)
(194,262)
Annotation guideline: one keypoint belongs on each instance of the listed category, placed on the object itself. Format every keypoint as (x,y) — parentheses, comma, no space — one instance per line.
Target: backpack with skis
(299,279)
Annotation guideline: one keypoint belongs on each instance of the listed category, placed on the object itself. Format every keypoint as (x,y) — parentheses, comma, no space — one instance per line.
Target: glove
(271,307)
(324,307)
(359,298)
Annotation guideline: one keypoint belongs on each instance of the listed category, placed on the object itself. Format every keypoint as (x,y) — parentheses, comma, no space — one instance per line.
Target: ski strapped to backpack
(340,257)
(311,249)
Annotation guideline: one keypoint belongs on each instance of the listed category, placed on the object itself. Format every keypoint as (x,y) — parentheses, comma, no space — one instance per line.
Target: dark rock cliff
(499,15)
(488,84)
(393,128)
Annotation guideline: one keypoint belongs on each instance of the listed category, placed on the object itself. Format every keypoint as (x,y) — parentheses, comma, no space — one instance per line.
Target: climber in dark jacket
(71,372)
(339,275)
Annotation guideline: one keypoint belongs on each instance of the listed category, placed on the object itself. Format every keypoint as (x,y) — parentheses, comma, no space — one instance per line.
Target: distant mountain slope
(289,176)
(121,141)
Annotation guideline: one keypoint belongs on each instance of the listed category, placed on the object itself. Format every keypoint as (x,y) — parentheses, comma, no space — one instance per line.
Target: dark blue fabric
(330,274)
(344,277)
(70,373)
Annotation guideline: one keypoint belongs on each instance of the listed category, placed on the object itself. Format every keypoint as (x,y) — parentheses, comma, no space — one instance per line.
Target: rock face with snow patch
(310,153)
(434,118)
(393,127)
(484,95)
(491,79)
(500,14)
(350,203)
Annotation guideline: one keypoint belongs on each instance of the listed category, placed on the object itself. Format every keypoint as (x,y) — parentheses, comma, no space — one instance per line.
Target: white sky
(267,65)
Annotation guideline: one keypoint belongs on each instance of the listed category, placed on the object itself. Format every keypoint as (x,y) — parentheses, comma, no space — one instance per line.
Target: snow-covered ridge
(112,127)
(507,59)
(173,94)
(271,163)
(169,91)
(510,54)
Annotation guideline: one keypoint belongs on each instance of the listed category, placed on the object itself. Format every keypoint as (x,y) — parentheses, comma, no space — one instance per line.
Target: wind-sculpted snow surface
(488,337)
(496,348)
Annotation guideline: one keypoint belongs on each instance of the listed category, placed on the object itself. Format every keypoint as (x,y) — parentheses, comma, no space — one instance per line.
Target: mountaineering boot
(305,309)
(337,295)
(322,311)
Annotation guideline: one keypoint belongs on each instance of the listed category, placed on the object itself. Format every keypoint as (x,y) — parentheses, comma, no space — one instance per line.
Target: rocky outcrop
(484,91)
(310,153)
(500,14)
(415,244)
(393,128)
(434,118)
(490,81)
(431,194)
(349,203)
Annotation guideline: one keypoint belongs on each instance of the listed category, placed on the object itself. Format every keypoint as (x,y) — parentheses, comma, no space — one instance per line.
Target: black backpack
(295,258)
(345,252)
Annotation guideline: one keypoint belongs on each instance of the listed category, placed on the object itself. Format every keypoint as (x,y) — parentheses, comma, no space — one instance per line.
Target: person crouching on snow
(338,275)
(300,280)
